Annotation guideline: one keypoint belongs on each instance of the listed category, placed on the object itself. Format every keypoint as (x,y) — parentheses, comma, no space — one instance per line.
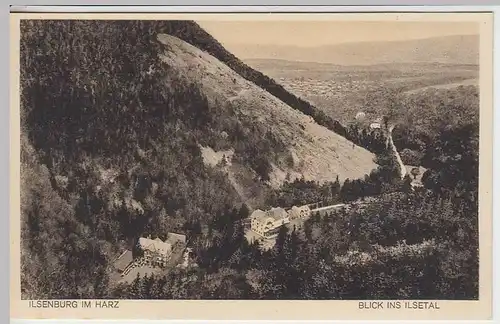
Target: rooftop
(156,245)
(123,260)
(174,238)
(258,214)
(305,207)
(277,213)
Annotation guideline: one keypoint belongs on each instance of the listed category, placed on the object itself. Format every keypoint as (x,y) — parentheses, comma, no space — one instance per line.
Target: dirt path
(402,167)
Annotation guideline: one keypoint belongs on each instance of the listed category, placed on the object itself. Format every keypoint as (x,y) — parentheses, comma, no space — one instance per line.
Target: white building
(301,212)
(267,223)
(156,252)
(375,125)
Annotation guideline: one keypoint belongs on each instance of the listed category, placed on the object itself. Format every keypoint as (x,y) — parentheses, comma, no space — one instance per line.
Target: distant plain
(342,90)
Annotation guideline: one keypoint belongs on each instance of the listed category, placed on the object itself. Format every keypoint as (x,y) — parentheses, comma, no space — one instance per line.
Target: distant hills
(271,66)
(460,49)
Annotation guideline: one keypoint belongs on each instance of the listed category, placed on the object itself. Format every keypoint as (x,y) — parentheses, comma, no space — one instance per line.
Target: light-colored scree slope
(318,153)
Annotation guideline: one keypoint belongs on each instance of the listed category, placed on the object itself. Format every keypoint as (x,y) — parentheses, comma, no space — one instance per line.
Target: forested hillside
(119,144)
(111,138)
(402,244)
(115,136)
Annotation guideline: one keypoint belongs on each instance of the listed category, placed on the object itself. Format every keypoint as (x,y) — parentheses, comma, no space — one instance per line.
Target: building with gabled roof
(267,223)
(301,212)
(123,261)
(155,251)
(158,252)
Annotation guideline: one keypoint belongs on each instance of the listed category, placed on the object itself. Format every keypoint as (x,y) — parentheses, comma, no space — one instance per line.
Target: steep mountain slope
(460,49)
(316,153)
(51,235)
(191,32)
(126,135)
(127,132)
(97,101)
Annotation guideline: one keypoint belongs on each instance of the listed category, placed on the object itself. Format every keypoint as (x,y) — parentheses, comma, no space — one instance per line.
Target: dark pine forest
(95,97)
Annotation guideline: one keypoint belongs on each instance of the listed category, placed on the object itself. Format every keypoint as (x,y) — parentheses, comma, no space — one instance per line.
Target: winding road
(402,167)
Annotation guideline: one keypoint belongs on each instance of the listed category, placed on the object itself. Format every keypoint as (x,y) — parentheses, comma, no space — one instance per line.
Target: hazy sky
(317,33)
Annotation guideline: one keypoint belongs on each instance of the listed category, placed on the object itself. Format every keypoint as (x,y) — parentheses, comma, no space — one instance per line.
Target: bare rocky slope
(317,153)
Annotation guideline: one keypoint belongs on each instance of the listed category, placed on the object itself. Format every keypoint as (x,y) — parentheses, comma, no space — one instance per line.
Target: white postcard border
(351,9)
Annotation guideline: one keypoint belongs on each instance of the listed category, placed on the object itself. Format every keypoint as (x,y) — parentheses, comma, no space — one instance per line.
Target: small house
(123,261)
(301,212)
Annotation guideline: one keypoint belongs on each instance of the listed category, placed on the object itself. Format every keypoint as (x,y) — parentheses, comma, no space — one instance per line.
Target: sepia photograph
(246,159)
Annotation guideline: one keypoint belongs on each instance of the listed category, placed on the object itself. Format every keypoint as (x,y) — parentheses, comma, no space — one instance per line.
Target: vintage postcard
(251,166)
